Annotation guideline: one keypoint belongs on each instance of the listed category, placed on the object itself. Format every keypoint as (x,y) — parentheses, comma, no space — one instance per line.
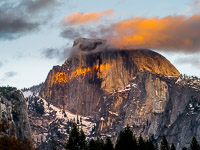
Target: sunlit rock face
(96,70)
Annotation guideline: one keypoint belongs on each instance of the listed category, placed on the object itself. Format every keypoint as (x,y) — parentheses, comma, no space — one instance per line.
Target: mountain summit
(78,84)
(116,87)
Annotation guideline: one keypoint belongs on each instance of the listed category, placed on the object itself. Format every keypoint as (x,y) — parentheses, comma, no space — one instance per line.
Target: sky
(36,35)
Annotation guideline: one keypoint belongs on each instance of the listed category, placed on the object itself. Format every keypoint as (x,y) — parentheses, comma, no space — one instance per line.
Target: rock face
(79,83)
(14,120)
(118,87)
(154,106)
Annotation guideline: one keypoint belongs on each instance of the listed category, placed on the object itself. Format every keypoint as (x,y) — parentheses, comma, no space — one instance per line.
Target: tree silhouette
(141,144)
(76,139)
(173,147)
(108,145)
(150,145)
(194,144)
(126,140)
(96,144)
(83,143)
(164,144)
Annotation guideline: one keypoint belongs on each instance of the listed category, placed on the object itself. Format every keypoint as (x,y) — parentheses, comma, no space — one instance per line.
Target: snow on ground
(128,87)
(27,93)
(63,114)
(178,80)
(113,113)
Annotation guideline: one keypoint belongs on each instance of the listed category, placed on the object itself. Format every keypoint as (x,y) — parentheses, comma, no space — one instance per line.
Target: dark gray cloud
(17,18)
(192,60)
(10,74)
(14,27)
(37,5)
(73,33)
(51,53)
(60,54)
(70,33)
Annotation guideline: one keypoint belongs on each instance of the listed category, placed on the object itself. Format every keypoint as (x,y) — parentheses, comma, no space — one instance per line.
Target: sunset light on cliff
(62,77)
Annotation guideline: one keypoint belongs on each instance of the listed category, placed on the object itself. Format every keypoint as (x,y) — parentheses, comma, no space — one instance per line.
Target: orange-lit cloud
(177,33)
(81,18)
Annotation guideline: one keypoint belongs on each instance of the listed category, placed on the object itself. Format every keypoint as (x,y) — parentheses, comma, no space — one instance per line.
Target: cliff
(97,70)
(154,106)
(115,87)
(14,120)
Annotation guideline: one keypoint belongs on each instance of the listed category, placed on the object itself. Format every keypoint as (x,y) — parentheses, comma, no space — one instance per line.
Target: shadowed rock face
(79,83)
(14,120)
(154,106)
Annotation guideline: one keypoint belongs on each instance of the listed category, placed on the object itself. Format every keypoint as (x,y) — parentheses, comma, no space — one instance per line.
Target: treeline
(189,76)
(125,141)
(77,141)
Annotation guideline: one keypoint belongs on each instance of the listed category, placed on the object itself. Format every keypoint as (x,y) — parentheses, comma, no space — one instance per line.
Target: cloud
(10,74)
(71,33)
(61,54)
(12,27)
(88,32)
(81,18)
(21,17)
(36,5)
(1,64)
(194,7)
(172,33)
(51,53)
(192,60)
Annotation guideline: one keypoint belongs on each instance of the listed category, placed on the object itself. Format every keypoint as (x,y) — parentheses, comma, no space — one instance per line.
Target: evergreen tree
(141,144)
(156,147)
(73,142)
(96,144)
(126,140)
(83,143)
(76,139)
(194,144)
(108,145)
(164,144)
(173,147)
(150,145)
(92,145)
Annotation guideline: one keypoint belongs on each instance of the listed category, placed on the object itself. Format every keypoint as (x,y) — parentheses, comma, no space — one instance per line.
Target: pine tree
(76,139)
(173,147)
(83,143)
(92,145)
(96,144)
(108,145)
(126,140)
(150,145)
(141,144)
(194,144)
(164,144)
(73,142)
